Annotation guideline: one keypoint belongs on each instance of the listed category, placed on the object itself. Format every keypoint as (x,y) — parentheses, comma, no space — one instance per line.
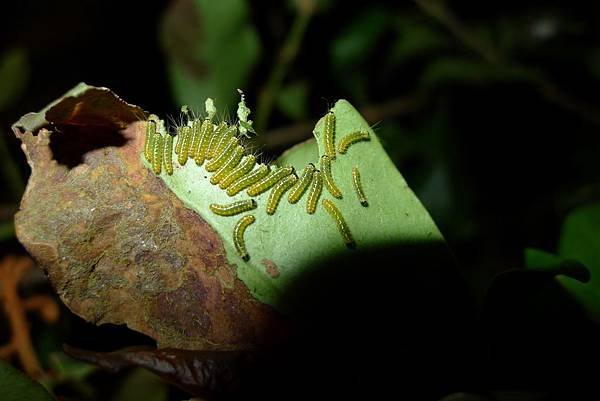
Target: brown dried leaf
(118,246)
(201,373)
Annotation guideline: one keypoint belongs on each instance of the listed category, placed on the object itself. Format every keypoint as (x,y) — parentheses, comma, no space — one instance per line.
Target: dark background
(489,110)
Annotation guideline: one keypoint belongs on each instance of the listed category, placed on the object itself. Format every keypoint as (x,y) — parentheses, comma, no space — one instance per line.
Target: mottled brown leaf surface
(118,246)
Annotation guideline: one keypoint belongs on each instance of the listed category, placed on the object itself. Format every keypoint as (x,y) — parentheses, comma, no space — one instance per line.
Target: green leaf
(355,46)
(292,100)
(579,241)
(212,48)
(141,385)
(18,387)
(295,243)
(14,74)
(68,368)
(7,230)
(415,37)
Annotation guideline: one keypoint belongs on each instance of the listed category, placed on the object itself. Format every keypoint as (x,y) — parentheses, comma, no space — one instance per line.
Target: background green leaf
(141,385)
(298,243)
(353,48)
(292,100)
(212,48)
(16,386)
(14,74)
(579,240)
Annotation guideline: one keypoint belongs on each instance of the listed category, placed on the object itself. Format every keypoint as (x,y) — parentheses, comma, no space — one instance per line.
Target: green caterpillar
(244,182)
(231,209)
(336,215)
(270,180)
(360,193)
(351,139)
(238,235)
(302,184)
(277,192)
(328,177)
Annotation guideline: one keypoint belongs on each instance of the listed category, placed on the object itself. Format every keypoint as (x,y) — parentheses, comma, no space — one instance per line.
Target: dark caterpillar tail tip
(245,257)
(364,203)
(351,245)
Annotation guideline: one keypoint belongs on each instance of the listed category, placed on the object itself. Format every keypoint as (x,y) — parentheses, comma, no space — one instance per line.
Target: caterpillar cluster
(219,150)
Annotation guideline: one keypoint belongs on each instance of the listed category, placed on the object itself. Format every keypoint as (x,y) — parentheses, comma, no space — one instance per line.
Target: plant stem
(285,136)
(285,57)
(12,269)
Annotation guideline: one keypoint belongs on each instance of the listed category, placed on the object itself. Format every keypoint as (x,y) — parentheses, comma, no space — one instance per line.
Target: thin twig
(12,269)
(547,89)
(284,136)
(287,54)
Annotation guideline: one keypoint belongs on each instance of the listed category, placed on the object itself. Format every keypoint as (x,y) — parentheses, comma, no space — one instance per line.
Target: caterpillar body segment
(238,235)
(247,180)
(230,164)
(328,177)
(356,182)
(342,227)
(351,139)
(196,138)
(231,209)
(223,156)
(206,134)
(229,133)
(302,184)
(269,181)
(186,142)
(214,140)
(179,141)
(157,153)
(277,192)
(245,166)
(149,142)
(329,134)
(316,187)
(168,154)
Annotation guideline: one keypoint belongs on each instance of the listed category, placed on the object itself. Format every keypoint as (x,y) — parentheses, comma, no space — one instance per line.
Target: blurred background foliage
(489,110)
